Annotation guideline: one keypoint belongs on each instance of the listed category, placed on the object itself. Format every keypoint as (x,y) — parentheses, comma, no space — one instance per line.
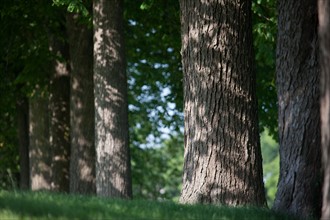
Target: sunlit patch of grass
(41,205)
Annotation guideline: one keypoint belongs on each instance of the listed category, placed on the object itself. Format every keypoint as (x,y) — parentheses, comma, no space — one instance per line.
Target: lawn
(41,205)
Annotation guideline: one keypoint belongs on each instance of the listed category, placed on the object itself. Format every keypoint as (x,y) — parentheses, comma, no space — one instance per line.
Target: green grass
(41,205)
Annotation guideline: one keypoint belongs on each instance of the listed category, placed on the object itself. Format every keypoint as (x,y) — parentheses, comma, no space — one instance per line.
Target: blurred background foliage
(154,71)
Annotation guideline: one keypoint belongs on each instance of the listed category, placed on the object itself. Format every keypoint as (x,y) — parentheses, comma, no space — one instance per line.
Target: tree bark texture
(59,109)
(222,159)
(113,176)
(39,149)
(82,163)
(22,107)
(299,186)
(324,37)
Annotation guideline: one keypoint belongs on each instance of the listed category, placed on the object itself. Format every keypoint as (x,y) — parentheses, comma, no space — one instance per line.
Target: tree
(299,187)
(51,121)
(113,176)
(222,148)
(40,155)
(82,161)
(324,38)
(22,108)
(34,74)
(59,107)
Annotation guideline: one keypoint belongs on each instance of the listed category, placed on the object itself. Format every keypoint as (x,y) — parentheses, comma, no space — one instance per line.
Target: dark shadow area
(82,160)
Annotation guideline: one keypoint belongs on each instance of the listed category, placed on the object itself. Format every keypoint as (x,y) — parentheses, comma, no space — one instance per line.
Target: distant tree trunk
(222,159)
(59,107)
(39,149)
(299,187)
(324,35)
(82,165)
(113,177)
(22,106)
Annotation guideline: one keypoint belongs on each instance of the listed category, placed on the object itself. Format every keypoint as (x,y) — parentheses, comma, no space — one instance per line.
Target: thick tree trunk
(39,153)
(22,107)
(82,164)
(222,156)
(299,187)
(111,111)
(324,35)
(59,107)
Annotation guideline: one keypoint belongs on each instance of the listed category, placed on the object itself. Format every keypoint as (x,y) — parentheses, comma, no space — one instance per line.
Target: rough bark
(82,164)
(324,36)
(222,159)
(59,109)
(22,107)
(299,187)
(39,153)
(111,111)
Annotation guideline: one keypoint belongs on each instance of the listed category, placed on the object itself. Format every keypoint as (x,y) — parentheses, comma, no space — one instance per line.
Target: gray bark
(111,111)
(324,36)
(222,159)
(299,187)
(82,162)
(39,153)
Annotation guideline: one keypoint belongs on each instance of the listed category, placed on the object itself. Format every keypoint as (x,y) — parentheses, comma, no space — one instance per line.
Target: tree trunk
(82,165)
(111,111)
(324,35)
(39,153)
(59,107)
(299,187)
(22,107)
(222,159)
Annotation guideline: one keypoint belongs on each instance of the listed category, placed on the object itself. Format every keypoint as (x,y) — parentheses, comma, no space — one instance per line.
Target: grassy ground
(27,205)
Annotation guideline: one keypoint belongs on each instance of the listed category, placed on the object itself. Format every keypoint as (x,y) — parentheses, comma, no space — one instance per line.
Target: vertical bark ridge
(324,35)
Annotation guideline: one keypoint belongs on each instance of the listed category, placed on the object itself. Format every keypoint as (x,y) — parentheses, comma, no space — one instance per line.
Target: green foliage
(154,69)
(24,47)
(73,6)
(264,34)
(157,171)
(155,97)
(146,4)
(9,168)
(56,206)
(270,154)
